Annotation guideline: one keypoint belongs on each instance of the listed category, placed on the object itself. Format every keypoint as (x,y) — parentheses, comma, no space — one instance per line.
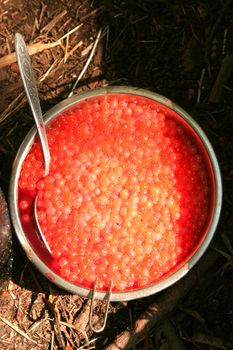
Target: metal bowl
(5,241)
(35,250)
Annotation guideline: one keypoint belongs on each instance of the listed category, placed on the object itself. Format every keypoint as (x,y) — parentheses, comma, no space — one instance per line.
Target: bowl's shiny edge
(85,292)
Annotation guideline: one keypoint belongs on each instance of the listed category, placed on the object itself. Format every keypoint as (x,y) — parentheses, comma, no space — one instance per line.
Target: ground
(181,49)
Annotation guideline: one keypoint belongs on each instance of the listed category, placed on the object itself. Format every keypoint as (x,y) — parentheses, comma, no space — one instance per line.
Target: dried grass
(36,48)
(18,330)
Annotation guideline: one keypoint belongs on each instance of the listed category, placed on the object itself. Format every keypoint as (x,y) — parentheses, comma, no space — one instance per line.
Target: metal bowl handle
(109,294)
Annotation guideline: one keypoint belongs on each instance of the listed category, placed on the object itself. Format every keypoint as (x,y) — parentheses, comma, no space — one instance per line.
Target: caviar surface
(127,195)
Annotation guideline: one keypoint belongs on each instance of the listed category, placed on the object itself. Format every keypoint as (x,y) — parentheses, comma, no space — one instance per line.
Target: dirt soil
(181,49)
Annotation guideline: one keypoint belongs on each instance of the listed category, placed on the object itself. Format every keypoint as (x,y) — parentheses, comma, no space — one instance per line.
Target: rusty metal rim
(86,292)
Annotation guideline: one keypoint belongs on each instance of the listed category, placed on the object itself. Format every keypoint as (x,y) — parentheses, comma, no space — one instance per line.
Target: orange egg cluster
(127,196)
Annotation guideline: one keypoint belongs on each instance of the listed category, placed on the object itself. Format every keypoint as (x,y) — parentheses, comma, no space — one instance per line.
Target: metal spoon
(28,78)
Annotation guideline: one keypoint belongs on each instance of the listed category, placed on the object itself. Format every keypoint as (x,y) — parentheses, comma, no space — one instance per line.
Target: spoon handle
(29,83)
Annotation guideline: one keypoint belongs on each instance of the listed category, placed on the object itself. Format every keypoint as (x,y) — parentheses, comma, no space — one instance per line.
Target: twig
(83,332)
(35,26)
(215,26)
(82,321)
(35,48)
(35,325)
(54,21)
(200,84)
(65,24)
(165,304)
(83,347)
(71,31)
(17,329)
(87,63)
(80,43)
(66,49)
(50,306)
(51,302)
(211,340)
(106,41)
(44,76)
(68,321)
(223,76)
(173,340)
(87,50)
(52,341)
(10,287)
(14,105)
(3,14)
(8,46)
(44,8)
(20,100)
(224,41)
(5,241)
(92,13)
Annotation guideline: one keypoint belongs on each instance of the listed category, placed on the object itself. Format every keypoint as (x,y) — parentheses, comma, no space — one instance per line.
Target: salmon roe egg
(127,196)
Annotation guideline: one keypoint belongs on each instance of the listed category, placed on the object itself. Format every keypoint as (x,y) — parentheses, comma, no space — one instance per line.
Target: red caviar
(127,196)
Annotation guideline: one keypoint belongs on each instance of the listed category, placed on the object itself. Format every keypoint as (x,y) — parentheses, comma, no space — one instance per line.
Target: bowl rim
(87,292)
